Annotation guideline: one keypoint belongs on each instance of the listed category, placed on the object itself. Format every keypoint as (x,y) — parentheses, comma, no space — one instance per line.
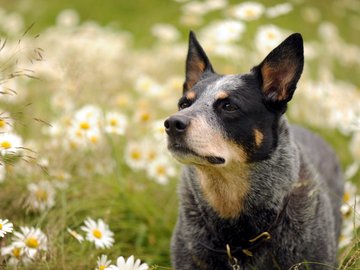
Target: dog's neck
(239,188)
(224,192)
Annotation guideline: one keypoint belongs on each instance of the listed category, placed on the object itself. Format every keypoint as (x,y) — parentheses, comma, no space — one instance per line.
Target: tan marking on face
(207,140)
(190,95)
(225,188)
(259,137)
(221,95)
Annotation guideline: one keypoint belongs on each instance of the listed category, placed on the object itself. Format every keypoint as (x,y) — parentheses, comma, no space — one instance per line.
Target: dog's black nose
(176,125)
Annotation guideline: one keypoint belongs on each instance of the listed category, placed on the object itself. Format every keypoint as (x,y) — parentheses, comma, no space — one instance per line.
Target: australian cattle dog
(255,192)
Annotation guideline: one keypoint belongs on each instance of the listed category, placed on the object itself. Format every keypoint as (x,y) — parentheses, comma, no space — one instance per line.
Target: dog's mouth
(188,156)
(215,160)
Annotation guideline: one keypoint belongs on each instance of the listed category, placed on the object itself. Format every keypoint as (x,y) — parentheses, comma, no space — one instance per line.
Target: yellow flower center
(249,12)
(5,144)
(161,129)
(94,139)
(61,176)
(97,233)
(122,101)
(79,133)
(41,195)
(84,125)
(1,226)
(32,242)
(113,122)
(270,35)
(2,123)
(146,85)
(16,252)
(102,267)
(160,170)
(144,117)
(151,155)
(136,155)
(346,197)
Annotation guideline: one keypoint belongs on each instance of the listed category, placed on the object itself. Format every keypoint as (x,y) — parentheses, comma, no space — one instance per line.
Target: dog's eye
(184,104)
(229,107)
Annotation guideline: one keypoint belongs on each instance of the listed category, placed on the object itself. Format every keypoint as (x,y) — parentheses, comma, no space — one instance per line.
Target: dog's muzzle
(176,127)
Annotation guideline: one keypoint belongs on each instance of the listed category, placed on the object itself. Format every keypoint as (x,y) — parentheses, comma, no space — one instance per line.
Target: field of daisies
(86,181)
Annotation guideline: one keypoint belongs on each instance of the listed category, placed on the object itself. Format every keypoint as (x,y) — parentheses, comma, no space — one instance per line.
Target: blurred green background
(139,16)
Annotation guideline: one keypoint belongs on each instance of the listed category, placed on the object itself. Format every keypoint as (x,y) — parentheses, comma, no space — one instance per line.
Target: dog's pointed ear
(281,70)
(197,63)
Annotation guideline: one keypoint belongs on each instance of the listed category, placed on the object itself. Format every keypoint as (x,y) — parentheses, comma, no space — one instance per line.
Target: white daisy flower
(82,124)
(135,156)
(10,143)
(248,11)
(6,122)
(31,240)
(5,227)
(102,262)
(196,8)
(85,124)
(41,196)
(160,170)
(98,232)
(278,10)
(15,253)
(350,200)
(143,116)
(94,137)
(75,138)
(158,130)
(62,101)
(123,100)
(76,235)
(352,170)
(268,37)
(151,150)
(68,18)
(129,264)
(147,86)
(89,112)
(8,92)
(115,123)
(56,129)
(224,31)
(165,32)
(216,4)
(60,178)
(347,233)
(84,133)
(13,23)
(84,129)
(191,19)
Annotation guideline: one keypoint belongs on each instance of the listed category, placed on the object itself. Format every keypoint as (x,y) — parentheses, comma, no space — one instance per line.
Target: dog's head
(233,118)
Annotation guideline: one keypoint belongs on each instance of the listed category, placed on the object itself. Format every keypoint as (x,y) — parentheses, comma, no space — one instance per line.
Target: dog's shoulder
(320,156)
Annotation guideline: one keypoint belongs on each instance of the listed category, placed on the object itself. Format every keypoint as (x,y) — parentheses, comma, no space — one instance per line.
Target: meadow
(84,91)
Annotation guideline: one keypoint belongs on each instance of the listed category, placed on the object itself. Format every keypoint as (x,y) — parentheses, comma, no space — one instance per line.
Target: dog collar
(249,246)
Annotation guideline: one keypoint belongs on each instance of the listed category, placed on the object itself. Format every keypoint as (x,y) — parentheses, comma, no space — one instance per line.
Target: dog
(255,192)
